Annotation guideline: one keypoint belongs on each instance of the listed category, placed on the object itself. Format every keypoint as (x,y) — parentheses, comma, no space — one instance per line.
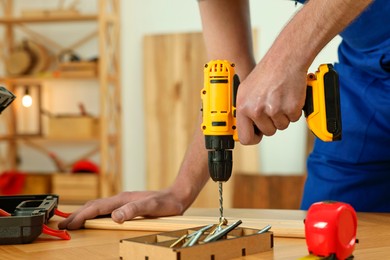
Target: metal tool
(219,122)
(193,240)
(218,227)
(6,98)
(264,229)
(191,237)
(196,235)
(219,234)
(178,241)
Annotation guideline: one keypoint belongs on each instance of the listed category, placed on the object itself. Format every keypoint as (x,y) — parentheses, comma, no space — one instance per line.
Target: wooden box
(75,188)
(37,183)
(79,69)
(69,126)
(239,242)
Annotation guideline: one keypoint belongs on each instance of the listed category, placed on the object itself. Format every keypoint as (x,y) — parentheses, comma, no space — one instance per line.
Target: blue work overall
(356,170)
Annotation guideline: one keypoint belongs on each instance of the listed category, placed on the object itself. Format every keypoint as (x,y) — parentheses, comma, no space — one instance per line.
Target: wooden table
(373,235)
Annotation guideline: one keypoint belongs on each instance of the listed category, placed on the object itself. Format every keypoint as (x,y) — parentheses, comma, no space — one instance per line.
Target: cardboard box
(239,242)
(75,188)
(73,127)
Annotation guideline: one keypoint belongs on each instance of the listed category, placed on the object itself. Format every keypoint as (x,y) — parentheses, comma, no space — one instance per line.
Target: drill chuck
(220,156)
(220,165)
(219,142)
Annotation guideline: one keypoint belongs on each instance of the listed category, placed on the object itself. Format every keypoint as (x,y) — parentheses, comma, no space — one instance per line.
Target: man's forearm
(227,32)
(193,173)
(318,22)
(227,35)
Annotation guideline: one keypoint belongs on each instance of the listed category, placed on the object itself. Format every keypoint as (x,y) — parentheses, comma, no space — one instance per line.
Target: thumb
(118,216)
(127,212)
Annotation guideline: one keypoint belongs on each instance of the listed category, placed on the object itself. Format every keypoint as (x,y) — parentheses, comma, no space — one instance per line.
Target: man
(272,93)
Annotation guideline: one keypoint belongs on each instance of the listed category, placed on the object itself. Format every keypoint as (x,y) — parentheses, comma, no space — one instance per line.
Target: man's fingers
(129,211)
(149,206)
(280,121)
(125,206)
(77,220)
(248,132)
(143,207)
(89,211)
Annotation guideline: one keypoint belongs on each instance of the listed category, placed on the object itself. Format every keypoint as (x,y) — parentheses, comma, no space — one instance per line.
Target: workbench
(373,234)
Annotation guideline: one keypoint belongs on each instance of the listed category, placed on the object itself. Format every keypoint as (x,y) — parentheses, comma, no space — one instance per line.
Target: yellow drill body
(322,106)
(322,111)
(218,99)
(219,120)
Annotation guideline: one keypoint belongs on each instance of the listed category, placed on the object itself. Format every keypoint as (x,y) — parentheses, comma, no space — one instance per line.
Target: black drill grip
(220,165)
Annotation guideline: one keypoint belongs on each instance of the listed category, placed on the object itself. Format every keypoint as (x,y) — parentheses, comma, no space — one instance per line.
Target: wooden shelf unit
(50,19)
(108,81)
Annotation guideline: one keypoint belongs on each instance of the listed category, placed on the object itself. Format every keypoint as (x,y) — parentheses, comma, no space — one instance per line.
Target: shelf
(48,140)
(106,135)
(68,18)
(38,80)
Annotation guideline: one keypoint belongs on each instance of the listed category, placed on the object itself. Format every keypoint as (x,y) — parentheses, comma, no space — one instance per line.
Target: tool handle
(322,104)
(63,234)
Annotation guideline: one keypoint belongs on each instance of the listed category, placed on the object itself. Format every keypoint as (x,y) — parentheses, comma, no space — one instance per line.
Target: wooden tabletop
(373,235)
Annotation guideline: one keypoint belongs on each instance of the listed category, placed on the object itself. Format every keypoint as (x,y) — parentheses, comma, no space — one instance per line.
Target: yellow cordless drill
(219,120)
(322,112)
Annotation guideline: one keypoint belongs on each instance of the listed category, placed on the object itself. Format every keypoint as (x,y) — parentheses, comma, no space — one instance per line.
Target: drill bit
(221,218)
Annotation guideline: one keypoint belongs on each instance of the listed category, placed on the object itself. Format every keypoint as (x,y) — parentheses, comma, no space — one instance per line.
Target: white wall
(283,153)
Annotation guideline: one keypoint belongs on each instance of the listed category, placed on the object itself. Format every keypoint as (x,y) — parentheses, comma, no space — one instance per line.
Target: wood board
(280,227)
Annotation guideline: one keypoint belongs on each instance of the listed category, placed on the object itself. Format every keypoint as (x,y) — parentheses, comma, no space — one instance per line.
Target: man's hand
(269,98)
(125,206)
(273,94)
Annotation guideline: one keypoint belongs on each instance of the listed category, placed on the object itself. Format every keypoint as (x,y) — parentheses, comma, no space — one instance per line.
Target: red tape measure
(330,229)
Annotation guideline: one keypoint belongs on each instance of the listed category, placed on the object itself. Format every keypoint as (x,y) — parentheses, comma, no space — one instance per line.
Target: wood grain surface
(282,226)
(373,235)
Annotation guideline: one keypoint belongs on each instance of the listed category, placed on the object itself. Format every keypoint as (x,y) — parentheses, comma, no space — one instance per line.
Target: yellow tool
(322,104)
(322,110)
(219,120)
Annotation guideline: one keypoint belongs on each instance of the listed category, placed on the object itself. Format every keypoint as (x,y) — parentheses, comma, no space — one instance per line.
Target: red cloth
(85,166)
(12,182)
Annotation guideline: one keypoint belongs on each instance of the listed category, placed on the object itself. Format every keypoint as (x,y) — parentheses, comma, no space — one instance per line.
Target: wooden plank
(280,227)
